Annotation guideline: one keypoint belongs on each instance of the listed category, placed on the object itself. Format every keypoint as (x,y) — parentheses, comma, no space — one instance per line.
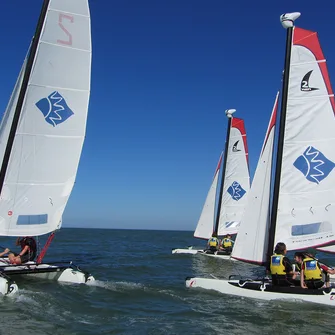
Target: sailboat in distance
(42,133)
(227,196)
(301,211)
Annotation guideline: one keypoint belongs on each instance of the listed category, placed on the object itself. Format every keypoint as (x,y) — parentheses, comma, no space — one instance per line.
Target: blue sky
(163,72)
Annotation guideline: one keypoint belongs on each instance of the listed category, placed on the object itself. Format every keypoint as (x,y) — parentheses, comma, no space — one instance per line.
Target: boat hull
(62,273)
(218,255)
(191,251)
(186,251)
(263,290)
(7,286)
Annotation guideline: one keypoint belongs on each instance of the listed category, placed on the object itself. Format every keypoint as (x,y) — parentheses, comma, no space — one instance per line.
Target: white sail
(7,118)
(252,240)
(306,208)
(205,224)
(236,181)
(48,142)
(330,249)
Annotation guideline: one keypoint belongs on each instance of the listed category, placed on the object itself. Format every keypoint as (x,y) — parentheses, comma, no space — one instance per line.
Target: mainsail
(204,228)
(306,212)
(49,136)
(236,183)
(252,240)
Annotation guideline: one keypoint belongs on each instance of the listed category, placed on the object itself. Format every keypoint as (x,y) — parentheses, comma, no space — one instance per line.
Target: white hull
(191,251)
(187,251)
(68,273)
(7,287)
(234,288)
(215,255)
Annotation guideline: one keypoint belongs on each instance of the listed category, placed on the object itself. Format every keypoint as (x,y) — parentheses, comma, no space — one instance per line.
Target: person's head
(280,248)
(228,236)
(299,257)
(18,241)
(214,234)
(310,253)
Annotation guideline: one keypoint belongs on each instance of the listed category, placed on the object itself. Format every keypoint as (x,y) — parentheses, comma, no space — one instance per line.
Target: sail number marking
(304,84)
(61,19)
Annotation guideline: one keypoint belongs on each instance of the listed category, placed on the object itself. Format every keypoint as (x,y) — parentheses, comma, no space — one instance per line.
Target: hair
(299,254)
(280,248)
(214,234)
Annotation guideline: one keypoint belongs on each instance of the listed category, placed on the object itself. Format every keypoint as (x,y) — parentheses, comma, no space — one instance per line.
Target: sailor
(298,258)
(312,272)
(281,267)
(27,253)
(227,243)
(213,243)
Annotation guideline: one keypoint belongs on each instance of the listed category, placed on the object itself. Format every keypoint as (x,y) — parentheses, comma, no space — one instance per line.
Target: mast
(229,114)
(22,93)
(287,21)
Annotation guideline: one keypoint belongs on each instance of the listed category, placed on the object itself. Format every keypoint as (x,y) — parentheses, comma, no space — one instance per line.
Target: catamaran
(42,134)
(302,211)
(223,210)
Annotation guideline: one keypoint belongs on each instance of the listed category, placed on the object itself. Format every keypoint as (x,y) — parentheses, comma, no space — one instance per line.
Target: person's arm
(6,251)
(302,278)
(24,250)
(288,266)
(327,268)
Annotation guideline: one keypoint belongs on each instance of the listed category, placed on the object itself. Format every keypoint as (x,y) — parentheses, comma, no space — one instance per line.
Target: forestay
(306,210)
(236,180)
(49,138)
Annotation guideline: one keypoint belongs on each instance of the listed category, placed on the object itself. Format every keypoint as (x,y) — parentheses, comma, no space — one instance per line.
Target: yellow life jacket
(226,243)
(311,269)
(213,242)
(276,266)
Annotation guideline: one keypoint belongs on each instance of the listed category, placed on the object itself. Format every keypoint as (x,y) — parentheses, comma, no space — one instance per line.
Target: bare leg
(14,259)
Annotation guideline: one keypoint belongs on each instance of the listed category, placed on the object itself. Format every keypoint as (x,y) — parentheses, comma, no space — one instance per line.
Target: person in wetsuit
(27,253)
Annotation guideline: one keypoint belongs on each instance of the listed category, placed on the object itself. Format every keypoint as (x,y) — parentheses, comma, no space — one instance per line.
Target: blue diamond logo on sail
(236,191)
(54,108)
(314,165)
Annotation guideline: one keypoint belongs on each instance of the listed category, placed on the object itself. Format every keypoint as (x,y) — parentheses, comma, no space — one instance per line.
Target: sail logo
(235,147)
(236,191)
(232,224)
(304,86)
(275,260)
(314,165)
(311,265)
(54,108)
